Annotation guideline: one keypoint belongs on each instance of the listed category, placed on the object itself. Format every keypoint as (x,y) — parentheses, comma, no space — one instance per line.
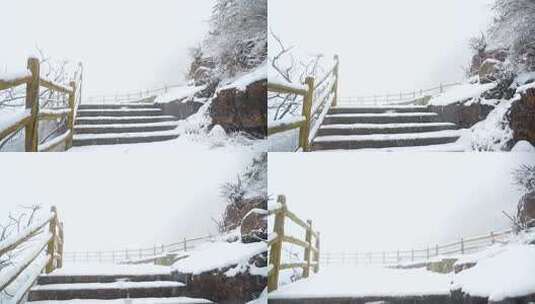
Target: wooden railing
(408,256)
(397,98)
(311,244)
(134,256)
(29,119)
(314,107)
(51,244)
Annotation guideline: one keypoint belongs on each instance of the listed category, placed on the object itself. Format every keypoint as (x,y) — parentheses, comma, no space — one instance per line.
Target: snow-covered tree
(514,28)
(524,179)
(238,35)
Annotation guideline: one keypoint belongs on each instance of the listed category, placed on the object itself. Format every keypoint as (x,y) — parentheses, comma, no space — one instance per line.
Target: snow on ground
(506,274)
(179,300)
(110,269)
(460,93)
(263,299)
(491,134)
(220,254)
(179,93)
(523,146)
(348,281)
(241,82)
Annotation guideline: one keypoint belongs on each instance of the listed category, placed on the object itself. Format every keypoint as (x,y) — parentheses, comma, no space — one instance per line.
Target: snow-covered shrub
(247,192)
(491,134)
(524,179)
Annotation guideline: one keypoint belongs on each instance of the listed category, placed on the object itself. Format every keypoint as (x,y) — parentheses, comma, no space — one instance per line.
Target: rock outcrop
(462,114)
(242,111)
(521,117)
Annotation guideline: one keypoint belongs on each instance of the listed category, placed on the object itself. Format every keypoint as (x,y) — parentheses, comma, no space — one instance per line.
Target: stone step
(366,129)
(77,279)
(122,138)
(125,128)
(174,300)
(104,120)
(106,291)
(382,118)
(378,109)
(119,112)
(347,142)
(118,106)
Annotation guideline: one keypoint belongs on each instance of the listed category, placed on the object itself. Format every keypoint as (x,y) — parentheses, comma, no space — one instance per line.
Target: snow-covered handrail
(410,256)
(397,98)
(310,108)
(311,244)
(133,96)
(29,119)
(130,254)
(51,243)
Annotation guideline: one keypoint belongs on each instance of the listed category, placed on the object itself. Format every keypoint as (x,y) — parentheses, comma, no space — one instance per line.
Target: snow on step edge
(388,137)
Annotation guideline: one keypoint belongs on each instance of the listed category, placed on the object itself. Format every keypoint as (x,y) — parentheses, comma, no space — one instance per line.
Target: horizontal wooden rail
(51,241)
(15,81)
(278,237)
(310,108)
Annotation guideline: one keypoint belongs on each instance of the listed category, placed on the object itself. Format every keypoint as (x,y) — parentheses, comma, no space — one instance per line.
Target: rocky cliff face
(521,117)
(246,111)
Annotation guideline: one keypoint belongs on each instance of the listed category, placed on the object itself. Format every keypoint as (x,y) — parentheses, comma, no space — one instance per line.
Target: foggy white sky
(118,201)
(382,201)
(384,45)
(124,45)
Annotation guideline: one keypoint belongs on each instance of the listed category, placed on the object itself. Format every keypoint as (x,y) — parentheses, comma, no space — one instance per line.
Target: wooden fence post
(51,247)
(276,247)
(335,87)
(70,117)
(60,245)
(317,256)
(32,103)
(307,256)
(462,245)
(427,253)
(492,238)
(185,245)
(307,113)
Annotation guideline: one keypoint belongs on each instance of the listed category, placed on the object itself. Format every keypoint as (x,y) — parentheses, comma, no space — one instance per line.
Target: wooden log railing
(314,107)
(311,244)
(29,119)
(51,244)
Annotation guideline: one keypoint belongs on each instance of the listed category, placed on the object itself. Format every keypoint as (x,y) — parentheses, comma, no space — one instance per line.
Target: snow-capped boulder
(464,114)
(521,117)
(242,110)
(254,224)
(488,70)
(523,146)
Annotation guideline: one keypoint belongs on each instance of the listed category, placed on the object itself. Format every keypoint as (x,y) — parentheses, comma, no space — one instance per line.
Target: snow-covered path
(359,282)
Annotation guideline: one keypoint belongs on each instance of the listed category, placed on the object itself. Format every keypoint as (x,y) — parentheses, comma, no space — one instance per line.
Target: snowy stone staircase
(111,288)
(109,124)
(385,127)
